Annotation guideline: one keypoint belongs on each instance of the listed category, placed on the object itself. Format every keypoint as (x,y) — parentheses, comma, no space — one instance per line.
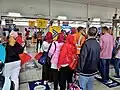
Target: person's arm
(42,47)
(101,42)
(82,57)
(19,49)
(82,41)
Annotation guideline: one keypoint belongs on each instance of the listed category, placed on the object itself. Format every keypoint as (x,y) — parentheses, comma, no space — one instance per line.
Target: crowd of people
(93,51)
(87,54)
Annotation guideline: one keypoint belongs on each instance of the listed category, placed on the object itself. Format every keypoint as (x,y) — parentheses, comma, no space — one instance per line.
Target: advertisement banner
(31,23)
(55,30)
(41,23)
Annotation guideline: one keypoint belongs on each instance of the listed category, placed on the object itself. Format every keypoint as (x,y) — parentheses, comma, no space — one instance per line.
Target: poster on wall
(31,24)
(55,30)
(41,23)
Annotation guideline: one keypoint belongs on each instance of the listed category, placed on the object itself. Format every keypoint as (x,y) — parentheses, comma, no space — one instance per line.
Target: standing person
(39,40)
(106,44)
(79,39)
(88,60)
(117,62)
(54,54)
(12,62)
(46,74)
(66,57)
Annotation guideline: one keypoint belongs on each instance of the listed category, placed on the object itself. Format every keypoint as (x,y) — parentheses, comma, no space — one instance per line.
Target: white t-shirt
(45,46)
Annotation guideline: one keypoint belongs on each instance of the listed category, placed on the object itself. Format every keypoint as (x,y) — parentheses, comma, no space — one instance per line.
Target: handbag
(74,63)
(45,59)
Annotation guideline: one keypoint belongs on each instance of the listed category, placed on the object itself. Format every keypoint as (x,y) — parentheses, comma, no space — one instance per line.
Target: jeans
(86,83)
(104,69)
(116,66)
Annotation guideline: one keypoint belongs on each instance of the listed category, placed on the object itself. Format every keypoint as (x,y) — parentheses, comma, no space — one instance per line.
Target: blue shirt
(2,53)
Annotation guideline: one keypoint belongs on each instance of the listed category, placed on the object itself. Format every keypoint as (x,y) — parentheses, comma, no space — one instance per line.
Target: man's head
(92,31)
(105,30)
(80,29)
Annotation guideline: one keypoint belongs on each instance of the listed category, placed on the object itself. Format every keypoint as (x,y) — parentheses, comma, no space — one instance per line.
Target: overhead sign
(41,23)
(31,23)
(66,28)
(55,30)
(65,23)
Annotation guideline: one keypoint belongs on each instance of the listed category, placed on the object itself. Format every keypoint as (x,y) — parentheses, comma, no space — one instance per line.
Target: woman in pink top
(54,54)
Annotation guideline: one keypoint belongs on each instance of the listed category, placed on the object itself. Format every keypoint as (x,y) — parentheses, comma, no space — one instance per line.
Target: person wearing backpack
(54,54)
(89,60)
(46,74)
(66,57)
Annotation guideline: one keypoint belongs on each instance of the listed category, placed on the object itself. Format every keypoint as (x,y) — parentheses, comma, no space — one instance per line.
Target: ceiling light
(62,18)
(14,14)
(96,19)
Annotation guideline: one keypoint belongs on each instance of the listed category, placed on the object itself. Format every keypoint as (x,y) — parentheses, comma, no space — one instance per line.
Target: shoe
(98,76)
(117,77)
(109,82)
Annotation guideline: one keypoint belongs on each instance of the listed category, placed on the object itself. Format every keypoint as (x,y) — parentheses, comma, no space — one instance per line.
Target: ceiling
(73,9)
(105,3)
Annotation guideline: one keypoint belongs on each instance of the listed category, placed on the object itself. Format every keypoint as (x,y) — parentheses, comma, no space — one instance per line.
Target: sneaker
(98,76)
(109,82)
(117,77)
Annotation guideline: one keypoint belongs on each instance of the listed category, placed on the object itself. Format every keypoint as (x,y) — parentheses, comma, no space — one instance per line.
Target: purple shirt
(106,43)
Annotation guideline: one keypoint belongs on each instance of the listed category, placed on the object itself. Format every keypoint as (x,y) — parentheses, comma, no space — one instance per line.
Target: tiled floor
(32,74)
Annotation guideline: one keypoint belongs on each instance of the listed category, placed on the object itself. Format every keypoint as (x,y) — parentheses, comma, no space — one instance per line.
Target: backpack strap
(54,50)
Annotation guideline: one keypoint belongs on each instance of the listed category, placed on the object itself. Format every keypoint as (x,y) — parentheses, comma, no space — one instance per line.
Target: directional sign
(55,30)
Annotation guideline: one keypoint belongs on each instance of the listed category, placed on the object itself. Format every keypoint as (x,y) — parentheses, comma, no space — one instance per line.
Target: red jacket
(68,51)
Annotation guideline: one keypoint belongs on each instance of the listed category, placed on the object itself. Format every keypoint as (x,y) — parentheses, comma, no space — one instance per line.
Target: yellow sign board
(41,23)
(31,23)
(55,30)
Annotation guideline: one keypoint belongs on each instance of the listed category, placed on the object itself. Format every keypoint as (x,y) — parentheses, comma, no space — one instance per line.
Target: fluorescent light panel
(96,19)
(14,14)
(62,18)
